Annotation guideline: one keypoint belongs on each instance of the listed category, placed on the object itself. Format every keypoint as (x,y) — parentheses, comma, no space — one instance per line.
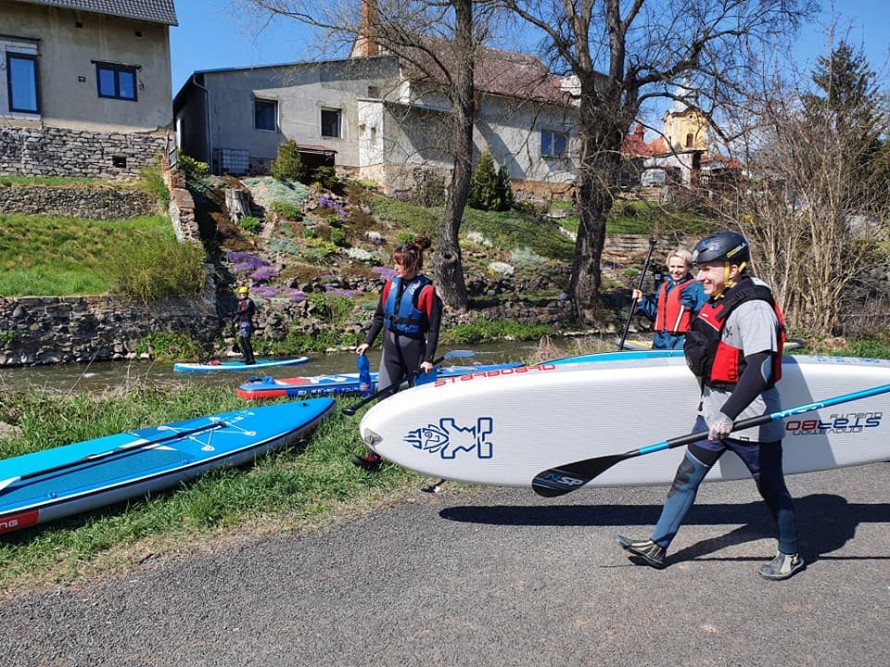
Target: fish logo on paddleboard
(447,438)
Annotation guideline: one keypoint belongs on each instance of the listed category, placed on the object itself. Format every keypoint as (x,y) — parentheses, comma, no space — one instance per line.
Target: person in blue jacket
(676,302)
(411,312)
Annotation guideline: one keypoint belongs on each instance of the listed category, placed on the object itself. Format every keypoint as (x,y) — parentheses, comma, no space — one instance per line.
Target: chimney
(367,46)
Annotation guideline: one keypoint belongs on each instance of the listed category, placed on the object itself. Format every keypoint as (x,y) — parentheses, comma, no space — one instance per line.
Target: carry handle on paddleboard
(566,478)
(633,302)
(350,409)
(90,458)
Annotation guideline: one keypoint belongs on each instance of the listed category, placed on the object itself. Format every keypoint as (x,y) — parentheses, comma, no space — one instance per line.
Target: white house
(86,85)
(375,116)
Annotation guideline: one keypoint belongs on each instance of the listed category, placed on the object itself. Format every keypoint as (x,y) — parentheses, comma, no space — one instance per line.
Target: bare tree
(438,39)
(815,200)
(625,52)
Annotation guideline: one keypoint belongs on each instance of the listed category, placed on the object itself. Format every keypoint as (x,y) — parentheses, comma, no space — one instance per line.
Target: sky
(210,36)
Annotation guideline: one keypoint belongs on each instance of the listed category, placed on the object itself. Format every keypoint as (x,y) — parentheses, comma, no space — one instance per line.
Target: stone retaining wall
(55,151)
(49,330)
(77,202)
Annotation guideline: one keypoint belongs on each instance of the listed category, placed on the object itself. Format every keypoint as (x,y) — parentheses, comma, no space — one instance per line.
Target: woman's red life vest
(671,315)
(715,363)
(405,317)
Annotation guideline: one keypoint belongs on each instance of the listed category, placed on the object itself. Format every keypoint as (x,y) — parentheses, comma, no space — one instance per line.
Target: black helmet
(722,246)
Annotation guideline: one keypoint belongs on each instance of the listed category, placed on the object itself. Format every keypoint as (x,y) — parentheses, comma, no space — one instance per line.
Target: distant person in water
(410,311)
(243,321)
(676,302)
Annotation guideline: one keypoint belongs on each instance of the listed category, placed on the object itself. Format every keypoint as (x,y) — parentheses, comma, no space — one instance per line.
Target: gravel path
(497,577)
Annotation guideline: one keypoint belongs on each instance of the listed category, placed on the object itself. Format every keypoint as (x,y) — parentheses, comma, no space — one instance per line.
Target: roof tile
(152,11)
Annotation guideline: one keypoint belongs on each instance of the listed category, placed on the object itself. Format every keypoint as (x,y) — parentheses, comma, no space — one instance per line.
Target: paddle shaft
(91,458)
(633,302)
(351,409)
(566,478)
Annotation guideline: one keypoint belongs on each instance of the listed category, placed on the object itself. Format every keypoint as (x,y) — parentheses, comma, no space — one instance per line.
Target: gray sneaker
(650,552)
(782,567)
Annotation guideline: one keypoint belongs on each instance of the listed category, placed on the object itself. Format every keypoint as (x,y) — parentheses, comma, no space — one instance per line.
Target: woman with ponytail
(409,312)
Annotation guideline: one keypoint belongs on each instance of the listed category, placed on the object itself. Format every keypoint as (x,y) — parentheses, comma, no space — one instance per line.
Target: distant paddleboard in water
(215,366)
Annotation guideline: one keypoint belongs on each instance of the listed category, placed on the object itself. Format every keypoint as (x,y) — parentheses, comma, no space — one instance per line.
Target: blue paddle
(91,458)
(566,478)
(350,409)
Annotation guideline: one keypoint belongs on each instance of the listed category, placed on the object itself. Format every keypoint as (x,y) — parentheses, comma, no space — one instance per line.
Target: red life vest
(671,315)
(714,362)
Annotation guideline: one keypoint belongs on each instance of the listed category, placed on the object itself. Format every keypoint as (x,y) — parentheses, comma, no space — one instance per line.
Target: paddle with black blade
(350,409)
(566,478)
(91,458)
(633,302)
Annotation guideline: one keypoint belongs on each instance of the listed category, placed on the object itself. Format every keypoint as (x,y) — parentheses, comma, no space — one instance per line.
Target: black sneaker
(650,552)
(782,566)
(370,461)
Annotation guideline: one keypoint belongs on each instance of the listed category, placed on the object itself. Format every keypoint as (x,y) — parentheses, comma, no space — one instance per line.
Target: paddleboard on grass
(54,483)
(338,384)
(503,429)
(212,366)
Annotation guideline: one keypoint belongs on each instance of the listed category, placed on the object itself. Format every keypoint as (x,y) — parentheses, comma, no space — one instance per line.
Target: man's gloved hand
(720,427)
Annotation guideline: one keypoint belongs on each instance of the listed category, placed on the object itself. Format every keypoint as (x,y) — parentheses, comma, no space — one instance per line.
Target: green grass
(64,181)
(507,230)
(56,256)
(286,490)
(645,217)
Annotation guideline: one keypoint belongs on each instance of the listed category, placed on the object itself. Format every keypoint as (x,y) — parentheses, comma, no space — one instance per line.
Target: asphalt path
(497,577)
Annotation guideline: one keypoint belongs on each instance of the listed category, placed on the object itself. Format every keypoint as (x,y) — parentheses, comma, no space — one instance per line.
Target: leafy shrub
(405,237)
(490,188)
(482,330)
(249,224)
(326,177)
(192,168)
(7,337)
(338,237)
(288,166)
(318,251)
(287,210)
(285,246)
(169,346)
(156,269)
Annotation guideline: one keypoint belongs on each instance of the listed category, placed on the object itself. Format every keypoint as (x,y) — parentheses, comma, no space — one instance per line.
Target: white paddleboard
(504,427)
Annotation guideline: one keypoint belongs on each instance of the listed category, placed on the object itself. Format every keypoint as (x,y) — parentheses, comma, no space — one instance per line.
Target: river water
(100,376)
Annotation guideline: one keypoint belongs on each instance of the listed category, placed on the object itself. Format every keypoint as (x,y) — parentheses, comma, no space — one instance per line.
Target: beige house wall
(68,53)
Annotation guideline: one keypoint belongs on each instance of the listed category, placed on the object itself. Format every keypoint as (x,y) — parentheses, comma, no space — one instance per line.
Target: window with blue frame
(21,82)
(553,144)
(117,82)
(265,115)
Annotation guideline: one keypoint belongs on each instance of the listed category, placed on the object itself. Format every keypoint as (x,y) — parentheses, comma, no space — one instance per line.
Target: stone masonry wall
(48,330)
(53,151)
(77,202)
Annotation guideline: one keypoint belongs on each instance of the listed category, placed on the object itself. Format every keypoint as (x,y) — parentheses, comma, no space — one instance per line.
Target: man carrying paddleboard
(735,350)
(676,301)
(411,312)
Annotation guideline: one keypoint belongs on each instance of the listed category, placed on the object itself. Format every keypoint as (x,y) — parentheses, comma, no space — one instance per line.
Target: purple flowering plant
(384,271)
(264,273)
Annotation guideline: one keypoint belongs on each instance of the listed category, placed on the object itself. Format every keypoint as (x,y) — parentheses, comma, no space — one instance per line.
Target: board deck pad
(58,482)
